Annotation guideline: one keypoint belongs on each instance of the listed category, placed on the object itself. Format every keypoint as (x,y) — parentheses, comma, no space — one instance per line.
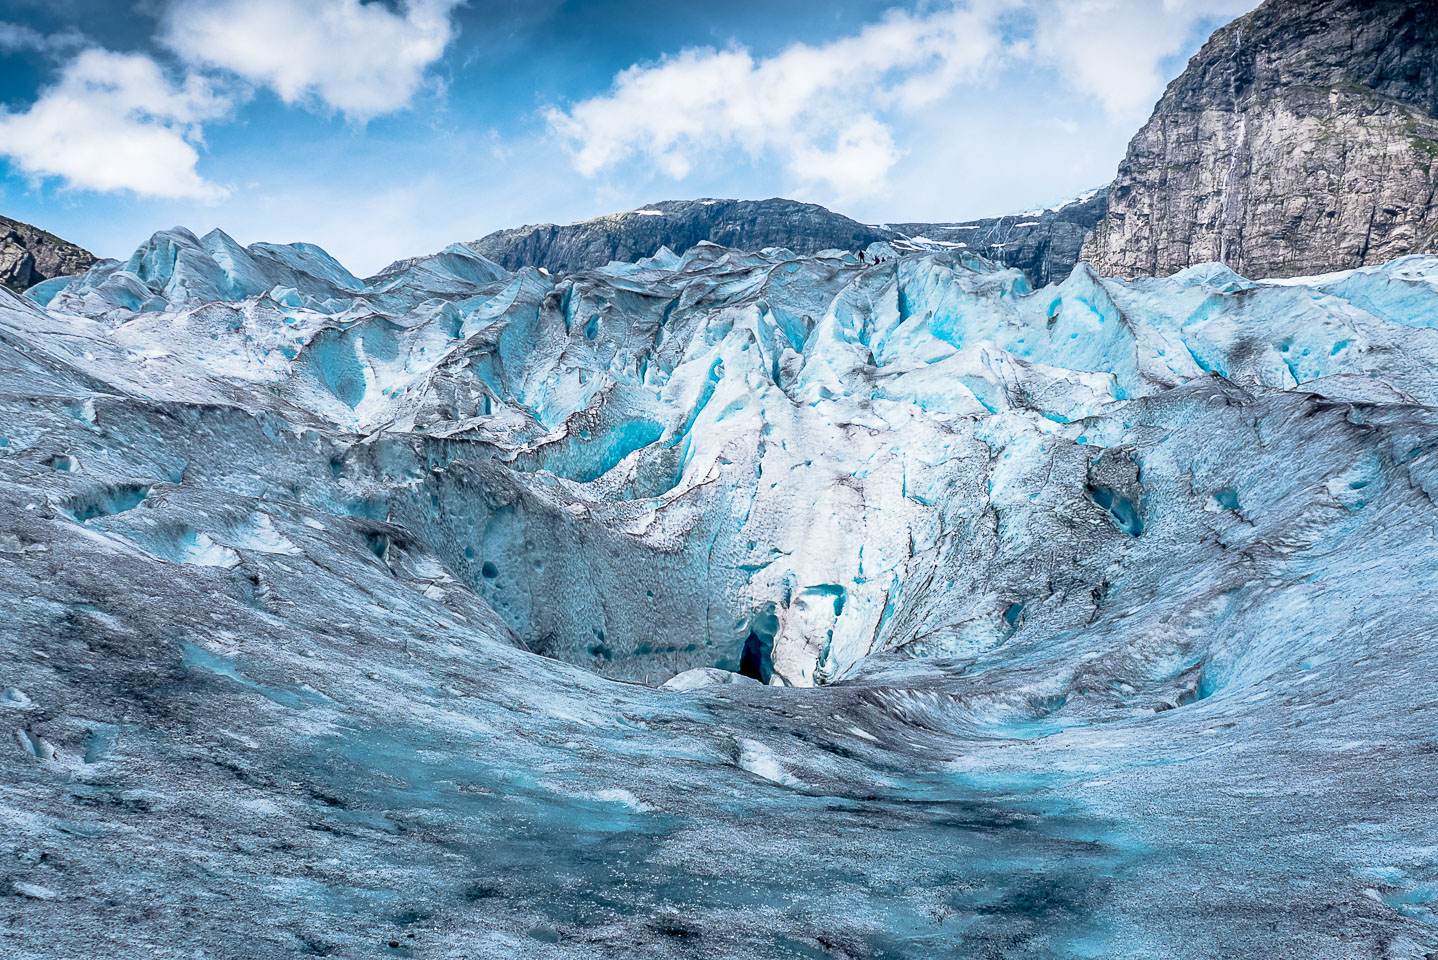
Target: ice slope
(748,434)
(1095,620)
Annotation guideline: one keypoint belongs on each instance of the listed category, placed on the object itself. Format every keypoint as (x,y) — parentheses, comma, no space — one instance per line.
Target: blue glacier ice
(717,605)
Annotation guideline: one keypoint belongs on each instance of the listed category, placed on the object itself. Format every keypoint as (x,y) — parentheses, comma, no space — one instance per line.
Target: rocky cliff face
(1044,244)
(29,255)
(1302,138)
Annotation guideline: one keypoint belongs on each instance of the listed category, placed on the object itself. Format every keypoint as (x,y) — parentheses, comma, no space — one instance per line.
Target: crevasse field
(426,615)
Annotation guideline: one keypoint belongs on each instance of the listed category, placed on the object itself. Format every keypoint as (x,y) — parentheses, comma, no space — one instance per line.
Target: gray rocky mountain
(804,228)
(1301,139)
(29,255)
(1044,244)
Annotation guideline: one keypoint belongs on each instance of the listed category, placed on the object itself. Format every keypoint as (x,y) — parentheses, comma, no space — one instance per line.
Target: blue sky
(391,128)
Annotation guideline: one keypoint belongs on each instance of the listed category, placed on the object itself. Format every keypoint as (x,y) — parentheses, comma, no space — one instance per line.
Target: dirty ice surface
(726,605)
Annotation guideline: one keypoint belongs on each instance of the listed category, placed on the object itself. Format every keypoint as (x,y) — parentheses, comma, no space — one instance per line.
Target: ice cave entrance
(756,660)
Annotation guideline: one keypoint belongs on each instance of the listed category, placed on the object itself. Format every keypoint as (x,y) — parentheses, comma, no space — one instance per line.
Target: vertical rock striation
(1301,139)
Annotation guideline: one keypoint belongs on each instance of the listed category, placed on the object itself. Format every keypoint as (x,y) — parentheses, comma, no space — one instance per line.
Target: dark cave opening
(756,660)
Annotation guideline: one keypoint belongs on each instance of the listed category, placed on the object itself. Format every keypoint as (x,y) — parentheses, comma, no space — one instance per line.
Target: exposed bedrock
(1301,139)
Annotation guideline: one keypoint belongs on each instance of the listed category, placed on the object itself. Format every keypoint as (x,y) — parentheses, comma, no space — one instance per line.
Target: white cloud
(116,122)
(816,108)
(360,58)
(1115,50)
(829,113)
(861,153)
(16,37)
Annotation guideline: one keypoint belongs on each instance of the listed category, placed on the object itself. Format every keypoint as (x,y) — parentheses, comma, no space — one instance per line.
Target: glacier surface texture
(726,605)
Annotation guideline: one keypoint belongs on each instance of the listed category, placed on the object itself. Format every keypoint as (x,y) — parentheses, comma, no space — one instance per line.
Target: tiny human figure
(861,256)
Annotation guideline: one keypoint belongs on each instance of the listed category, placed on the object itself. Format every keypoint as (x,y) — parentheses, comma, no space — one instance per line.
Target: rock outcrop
(1301,139)
(804,228)
(29,255)
(1044,244)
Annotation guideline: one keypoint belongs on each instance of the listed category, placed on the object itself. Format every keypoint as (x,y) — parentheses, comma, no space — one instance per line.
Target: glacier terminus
(719,605)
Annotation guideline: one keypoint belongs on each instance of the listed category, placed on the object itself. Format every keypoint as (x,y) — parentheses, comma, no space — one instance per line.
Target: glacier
(726,604)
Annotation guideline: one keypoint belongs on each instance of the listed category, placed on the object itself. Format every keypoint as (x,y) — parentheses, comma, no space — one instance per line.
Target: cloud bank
(816,108)
(829,113)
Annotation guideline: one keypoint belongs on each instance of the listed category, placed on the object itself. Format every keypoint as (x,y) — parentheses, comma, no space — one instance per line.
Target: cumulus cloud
(828,113)
(360,58)
(815,107)
(117,121)
(114,122)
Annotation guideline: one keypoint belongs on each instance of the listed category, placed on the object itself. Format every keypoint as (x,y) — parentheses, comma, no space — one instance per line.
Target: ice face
(1000,622)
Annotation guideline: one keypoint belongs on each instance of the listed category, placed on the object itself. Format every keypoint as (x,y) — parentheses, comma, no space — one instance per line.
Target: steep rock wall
(1301,139)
